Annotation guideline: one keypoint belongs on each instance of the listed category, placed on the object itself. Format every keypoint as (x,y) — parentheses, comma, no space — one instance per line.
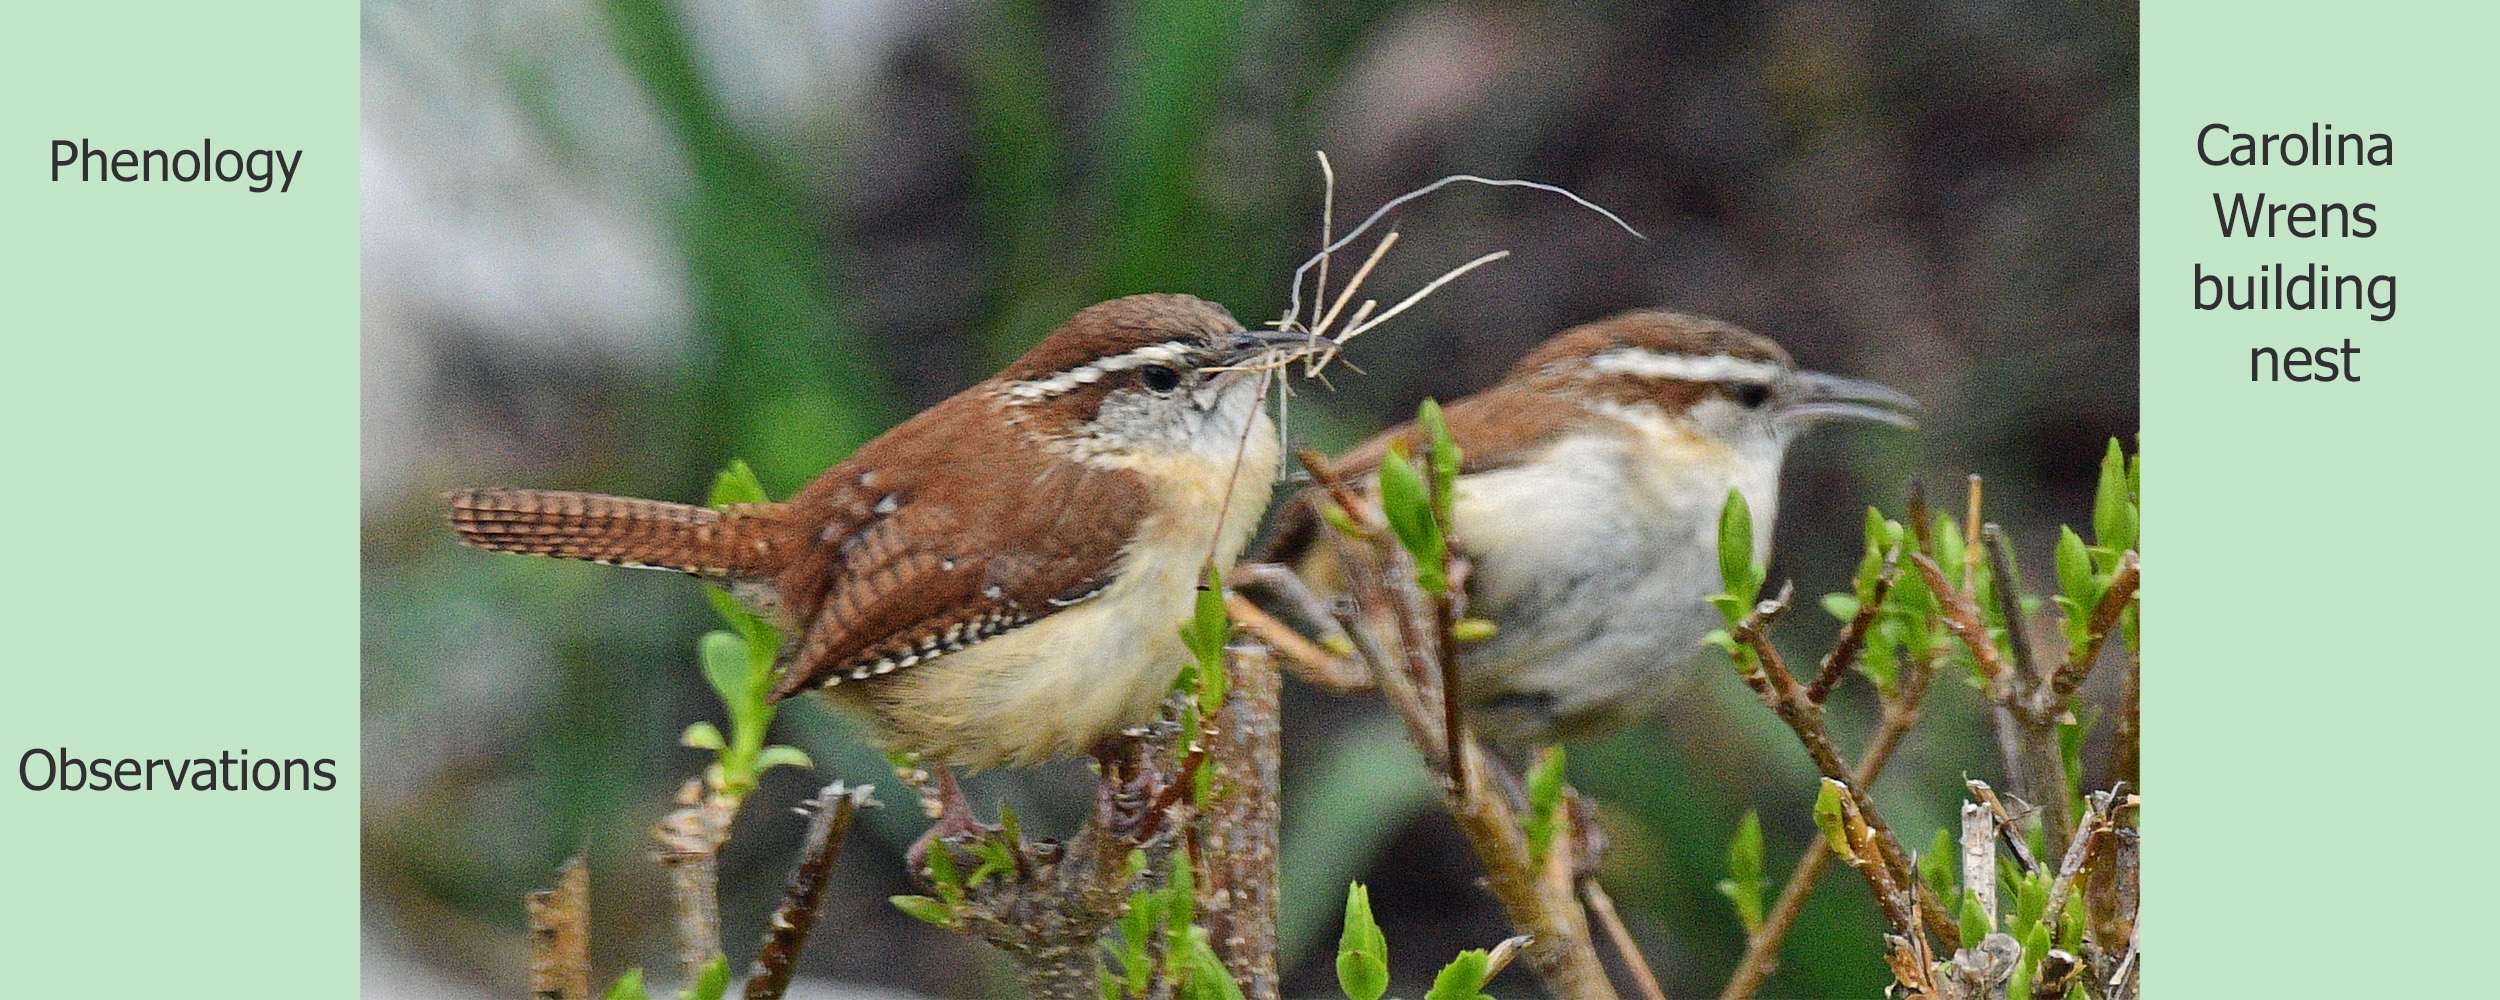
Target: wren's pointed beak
(1814,396)
(1248,345)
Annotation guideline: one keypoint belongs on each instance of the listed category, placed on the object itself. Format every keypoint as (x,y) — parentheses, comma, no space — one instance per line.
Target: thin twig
(1429,287)
(2009,594)
(1779,689)
(1338,492)
(1293,308)
(1603,906)
(1844,651)
(559,920)
(2097,628)
(2034,760)
(1922,527)
(2095,824)
(1970,538)
(2009,824)
(1327,218)
(1867,856)
(829,818)
(1763,945)
(1962,617)
(1337,674)
(1354,284)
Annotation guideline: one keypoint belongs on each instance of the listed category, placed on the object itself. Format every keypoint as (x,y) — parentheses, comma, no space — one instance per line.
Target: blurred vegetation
(614,245)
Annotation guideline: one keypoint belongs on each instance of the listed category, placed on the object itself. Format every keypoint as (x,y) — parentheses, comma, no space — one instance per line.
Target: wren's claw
(1139,790)
(955,822)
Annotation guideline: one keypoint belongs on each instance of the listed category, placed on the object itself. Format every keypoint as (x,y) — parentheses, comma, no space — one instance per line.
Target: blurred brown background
(612,245)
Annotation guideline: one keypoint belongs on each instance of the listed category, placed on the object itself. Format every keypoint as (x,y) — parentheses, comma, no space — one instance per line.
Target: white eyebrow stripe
(1170,352)
(1688,367)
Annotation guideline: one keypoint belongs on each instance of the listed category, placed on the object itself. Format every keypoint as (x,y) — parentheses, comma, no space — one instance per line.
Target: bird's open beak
(1814,396)
(1249,345)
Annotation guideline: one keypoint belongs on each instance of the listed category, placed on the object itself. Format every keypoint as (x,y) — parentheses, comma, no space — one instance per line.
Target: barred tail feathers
(617,531)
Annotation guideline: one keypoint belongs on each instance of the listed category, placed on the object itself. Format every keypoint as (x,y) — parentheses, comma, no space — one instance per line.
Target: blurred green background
(612,245)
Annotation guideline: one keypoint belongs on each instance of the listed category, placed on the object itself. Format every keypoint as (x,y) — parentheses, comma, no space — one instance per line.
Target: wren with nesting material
(1588,502)
(1001,579)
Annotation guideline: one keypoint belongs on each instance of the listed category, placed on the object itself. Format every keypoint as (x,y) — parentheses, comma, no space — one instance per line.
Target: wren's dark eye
(1750,395)
(1159,378)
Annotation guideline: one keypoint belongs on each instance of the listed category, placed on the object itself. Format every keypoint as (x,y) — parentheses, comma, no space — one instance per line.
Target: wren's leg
(955,820)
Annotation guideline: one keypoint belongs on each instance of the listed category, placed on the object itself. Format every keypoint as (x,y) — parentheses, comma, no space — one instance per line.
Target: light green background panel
(2319,701)
(179,483)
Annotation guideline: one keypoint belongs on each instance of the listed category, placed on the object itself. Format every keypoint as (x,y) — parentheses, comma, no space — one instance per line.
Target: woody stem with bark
(1786,698)
(1763,945)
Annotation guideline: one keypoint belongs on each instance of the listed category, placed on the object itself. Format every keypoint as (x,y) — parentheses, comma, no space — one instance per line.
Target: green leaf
(995,860)
(1337,518)
(926,909)
(1841,606)
(1737,572)
(1975,924)
(1463,978)
(2035,948)
(1939,865)
(1744,852)
(2074,569)
(2031,901)
(1205,680)
(1136,935)
(1180,900)
(1468,630)
(1408,510)
(1445,457)
(628,987)
(2109,500)
(1545,791)
(711,982)
(1829,819)
(725,666)
(1362,953)
(1948,548)
(779,755)
(1876,661)
(1208,625)
(1743,886)
(702,736)
(950,886)
(1203,975)
(2070,736)
(736,485)
(2082,588)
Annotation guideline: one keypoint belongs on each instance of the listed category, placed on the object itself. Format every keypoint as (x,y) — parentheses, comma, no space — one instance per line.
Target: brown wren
(1001,579)
(1588,499)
